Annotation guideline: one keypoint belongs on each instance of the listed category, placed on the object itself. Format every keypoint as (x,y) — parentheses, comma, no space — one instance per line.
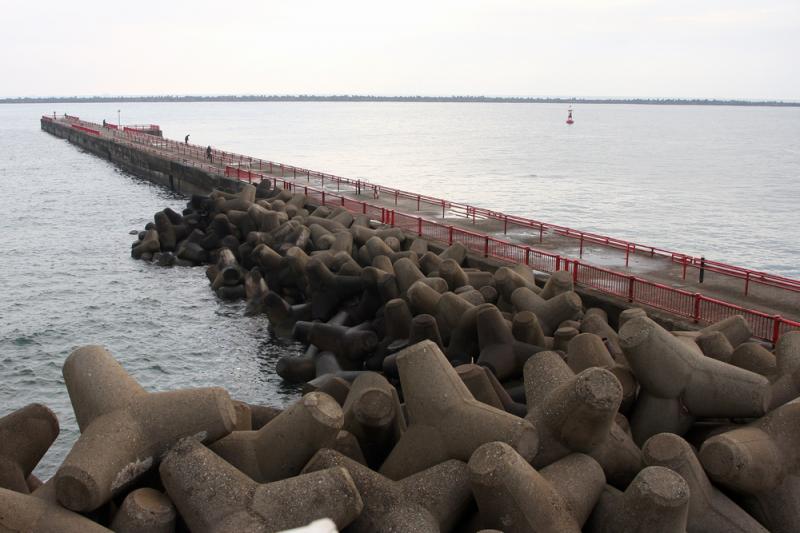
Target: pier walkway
(690,287)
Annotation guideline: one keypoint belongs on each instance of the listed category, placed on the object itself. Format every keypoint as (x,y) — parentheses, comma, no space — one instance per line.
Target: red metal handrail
(694,306)
(85,129)
(468,211)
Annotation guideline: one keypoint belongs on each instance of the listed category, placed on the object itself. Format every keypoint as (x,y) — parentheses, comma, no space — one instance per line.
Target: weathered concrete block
(576,413)
(24,512)
(514,496)
(280,449)
(25,436)
(670,370)
(710,511)
(145,510)
(195,477)
(436,397)
(372,413)
(125,430)
(657,500)
(430,501)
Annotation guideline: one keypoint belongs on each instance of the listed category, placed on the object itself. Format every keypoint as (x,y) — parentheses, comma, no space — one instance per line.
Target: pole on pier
(702,268)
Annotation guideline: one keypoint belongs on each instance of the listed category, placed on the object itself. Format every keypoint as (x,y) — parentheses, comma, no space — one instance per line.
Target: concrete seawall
(181,178)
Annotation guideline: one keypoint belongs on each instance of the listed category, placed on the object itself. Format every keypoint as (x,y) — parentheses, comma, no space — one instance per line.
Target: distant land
(367,98)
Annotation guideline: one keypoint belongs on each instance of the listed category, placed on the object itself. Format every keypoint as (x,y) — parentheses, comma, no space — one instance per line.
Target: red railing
(694,306)
(749,276)
(85,129)
(142,127)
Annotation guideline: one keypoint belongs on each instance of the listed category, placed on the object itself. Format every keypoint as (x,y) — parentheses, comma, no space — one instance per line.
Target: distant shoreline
(413,99)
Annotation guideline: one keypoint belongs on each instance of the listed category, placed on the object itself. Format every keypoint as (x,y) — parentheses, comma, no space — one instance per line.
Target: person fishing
(186,139)
(208,154)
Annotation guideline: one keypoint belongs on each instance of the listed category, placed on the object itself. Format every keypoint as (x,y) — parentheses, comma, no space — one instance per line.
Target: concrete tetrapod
(431,501)
(755,358)
(352,343)
(587,350)
(25,436)
(372,413)
(145,510)
(710,511)
(513,496)
(280,449)
(552,312)
(24,512)
(435,397)
(212,495)
(500,351)
(678,379)
(576,413)
(656,501)
(125,430)
(761,460)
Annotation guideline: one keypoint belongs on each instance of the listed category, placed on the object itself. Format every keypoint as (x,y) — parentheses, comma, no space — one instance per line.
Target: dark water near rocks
(68,280)
(724,182)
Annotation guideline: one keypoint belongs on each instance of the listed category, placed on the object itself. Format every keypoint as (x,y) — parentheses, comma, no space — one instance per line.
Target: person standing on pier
(208,154)
(186,139)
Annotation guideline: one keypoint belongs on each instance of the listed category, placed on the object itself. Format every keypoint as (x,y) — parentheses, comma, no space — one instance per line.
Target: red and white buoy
(569,117)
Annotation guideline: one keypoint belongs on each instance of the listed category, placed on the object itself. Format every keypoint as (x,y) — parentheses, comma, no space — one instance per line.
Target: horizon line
(397,98)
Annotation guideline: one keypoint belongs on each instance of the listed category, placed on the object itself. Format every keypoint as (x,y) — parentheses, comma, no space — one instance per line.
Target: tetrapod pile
(441,394)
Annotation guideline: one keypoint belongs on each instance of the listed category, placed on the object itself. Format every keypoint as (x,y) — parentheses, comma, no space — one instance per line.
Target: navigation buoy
(569,117)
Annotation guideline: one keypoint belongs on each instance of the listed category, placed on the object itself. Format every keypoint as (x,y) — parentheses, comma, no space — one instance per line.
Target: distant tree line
(368,98)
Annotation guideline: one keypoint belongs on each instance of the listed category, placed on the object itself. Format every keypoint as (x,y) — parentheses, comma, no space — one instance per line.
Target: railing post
(323,197)
(575,272)
(450,235)
(581,251)
(418,202)
(631,284)
(697,299)
(486,246)
(527,256)
(383,215)
(684,267)
(746,282)
(419,226)
(541,231)
(364,208)
(442,208)
(776,328)
(627,252)
(505,225)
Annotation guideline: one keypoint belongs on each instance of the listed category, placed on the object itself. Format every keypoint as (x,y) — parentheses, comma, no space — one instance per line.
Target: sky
(572,48)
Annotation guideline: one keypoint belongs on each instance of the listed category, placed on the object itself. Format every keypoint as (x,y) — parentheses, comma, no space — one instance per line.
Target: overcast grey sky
(626,48)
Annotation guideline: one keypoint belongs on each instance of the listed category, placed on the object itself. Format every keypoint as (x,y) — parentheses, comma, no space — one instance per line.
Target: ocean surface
(723,182)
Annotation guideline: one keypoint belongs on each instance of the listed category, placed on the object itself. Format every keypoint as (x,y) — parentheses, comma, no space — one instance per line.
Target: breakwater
(663,289)
(501,402)
(180,177)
